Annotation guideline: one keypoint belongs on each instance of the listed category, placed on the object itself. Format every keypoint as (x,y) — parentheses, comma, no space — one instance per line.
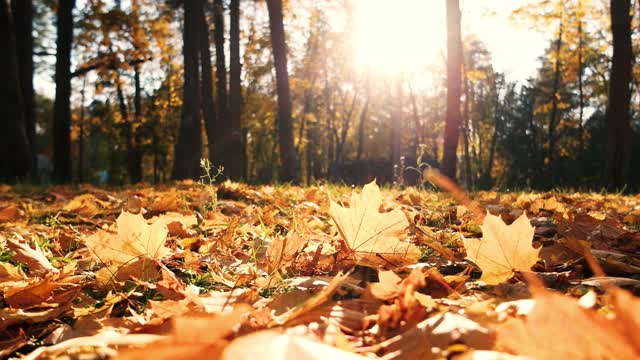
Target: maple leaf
(503,250)
(373,237)
(134,239)
(559,328)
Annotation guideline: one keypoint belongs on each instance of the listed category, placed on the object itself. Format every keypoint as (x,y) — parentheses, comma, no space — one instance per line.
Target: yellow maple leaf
(134,239)
(373,238)
(503,250)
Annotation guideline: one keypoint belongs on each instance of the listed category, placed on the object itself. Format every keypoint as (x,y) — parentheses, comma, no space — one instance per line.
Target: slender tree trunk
(136,173)
(81,135)
(330,116)
(487,181)
(62,105)
(554,111)
(206,87)
(15,156)
(417,138)
(465,134)
(154,137)
(580,92)
(454,69)
(128,129)
(23,22)
(224,126)
(533,144)
(235,91)
(288,163)
(346,124)
(396,131)
(473,130)
(188,148)
(361,128)
(618,121)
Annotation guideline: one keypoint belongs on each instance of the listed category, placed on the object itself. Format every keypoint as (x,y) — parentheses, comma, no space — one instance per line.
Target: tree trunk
(208,104)
(465,135)
(81,135)
(188,148)
(454,69)
(396,132)
(580,92)
(136,173)
(15,156)
(618,122)
(23,22)
(128,130)
(346,124)
(224,154)
(554,112)
(533,144)
(487,181)
(361,128)
(235,91)
(288,163)
(62,105)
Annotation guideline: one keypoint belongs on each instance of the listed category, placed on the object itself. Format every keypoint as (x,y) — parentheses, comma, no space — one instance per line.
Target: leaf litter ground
(235,271)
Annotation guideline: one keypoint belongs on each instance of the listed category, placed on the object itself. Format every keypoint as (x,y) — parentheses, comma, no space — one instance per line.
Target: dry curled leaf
(373,238)
(503,250)
(35,259)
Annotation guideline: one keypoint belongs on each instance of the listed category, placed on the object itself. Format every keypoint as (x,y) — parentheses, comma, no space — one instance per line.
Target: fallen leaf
(387,287)
(316,300)
(85,205)
(134,239)
(559,328)
(431,336)
(10,273)
(32,294)
(195,336)
(105,339)
(35,259)
(11,213)
(278,346)
(373,238)
(503,250)
(283,250)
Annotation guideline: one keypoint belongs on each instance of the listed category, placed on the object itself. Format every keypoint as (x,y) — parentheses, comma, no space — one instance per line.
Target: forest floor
(239,272)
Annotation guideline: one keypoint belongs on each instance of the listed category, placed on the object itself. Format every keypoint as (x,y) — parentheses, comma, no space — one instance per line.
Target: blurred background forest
(311,90)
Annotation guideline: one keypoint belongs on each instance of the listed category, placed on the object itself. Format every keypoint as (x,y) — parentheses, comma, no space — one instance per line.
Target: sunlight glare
(398,37)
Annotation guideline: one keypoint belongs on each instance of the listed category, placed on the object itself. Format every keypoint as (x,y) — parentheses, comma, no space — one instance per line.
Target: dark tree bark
(487,180)
(288,163)
(208,103)
(135,171)
(15,154)
(580,91)
(224,127)
(80,175)
(454,69)
(62,106)
(236,166)
(23,22)
(346,124)
(131,136)
(188,148)
(554,112)
(618,121)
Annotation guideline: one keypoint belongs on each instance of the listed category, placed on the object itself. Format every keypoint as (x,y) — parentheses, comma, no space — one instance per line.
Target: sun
(398,37)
